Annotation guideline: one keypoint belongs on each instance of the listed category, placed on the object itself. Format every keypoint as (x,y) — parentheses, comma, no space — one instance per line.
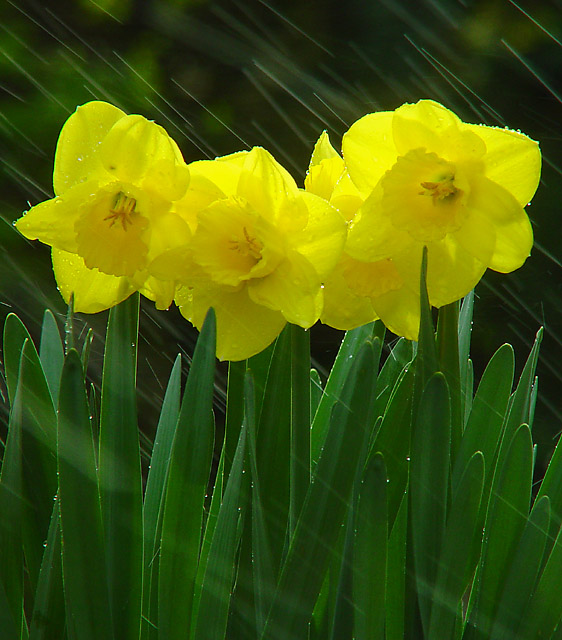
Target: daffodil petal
(161,292)
(369,149)
(323,150)
(244,328)
(400,312)
(477,236)
(93,291)
(293,289)
(512,160)
(372,236)
(322,178)
(445,257)
(430,114)
(267,187)
(513,233)
(322,240)
(343,308)
(77,155)
(136,150)
(53,221)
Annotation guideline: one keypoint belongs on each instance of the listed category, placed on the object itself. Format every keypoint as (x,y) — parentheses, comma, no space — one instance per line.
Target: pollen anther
(123,208)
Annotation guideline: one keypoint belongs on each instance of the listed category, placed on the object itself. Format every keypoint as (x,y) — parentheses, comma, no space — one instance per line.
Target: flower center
(122,210)
(440,190)
(248,247)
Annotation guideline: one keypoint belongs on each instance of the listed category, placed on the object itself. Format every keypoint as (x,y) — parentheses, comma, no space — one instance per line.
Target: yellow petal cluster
(428,179)
(116,178)
(238,235)
(260,250)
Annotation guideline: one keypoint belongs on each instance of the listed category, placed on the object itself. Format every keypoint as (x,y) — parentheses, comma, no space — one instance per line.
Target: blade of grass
(429,481)
(213,606)
(509,506)
(326,503)
(11,508)
(370,553)
(83,550)
(188,478)
(51,353)
(343,363)
(154,496)
(300,422)
(48,616)
(120,469)
(455,565)
(395,604)
(520,582)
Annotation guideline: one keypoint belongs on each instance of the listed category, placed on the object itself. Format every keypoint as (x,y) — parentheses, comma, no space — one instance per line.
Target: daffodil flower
(427,178)
(116,177)
(357,292)
(260,251)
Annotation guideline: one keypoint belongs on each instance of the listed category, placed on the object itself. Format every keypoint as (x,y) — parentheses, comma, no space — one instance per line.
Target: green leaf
(273,442)
(520,581)
(52,353)
(300,422)
(426,360)
(15,334)
(393,441)
(396,574)
(155,493)
(316,391)
(398,359)
(188,478)
(484,427)
(83,553)
(449,365)
(11,510)
(326,502)
(456,566)
(120,470)
(343,364)
(212,612)
(370,553)
(465,331)
(429,482)
(48,616)
(507,515)
(545,608)
(263,571)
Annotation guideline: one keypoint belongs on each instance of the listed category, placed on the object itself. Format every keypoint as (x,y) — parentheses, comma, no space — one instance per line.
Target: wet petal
(400,312)
(372,236)
(136,150)
(512,160)
(322,240)
(77,155)
(512,230)
(93,291)
(293,289)
(343,308)
(52,222)
(369,149)
(244,328)
(161,292)
(451,271)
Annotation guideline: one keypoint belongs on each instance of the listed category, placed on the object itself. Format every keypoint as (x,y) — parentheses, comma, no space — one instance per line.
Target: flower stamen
(251,246)
(123,208)
(440,190)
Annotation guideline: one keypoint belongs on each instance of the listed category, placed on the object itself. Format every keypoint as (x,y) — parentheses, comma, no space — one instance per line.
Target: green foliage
(390,503)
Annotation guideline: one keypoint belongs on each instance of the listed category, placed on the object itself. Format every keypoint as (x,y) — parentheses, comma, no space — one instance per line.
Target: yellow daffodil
(259,253)
(357,292)
(116,177)
(427,178)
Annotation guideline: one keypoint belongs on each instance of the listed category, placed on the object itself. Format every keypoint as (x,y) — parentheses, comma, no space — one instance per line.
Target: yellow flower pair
(236,233)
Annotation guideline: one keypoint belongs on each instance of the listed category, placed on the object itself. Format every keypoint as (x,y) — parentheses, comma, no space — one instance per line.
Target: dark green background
(223,76)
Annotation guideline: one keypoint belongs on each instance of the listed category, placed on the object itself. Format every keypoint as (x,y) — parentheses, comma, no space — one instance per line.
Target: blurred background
(222,76)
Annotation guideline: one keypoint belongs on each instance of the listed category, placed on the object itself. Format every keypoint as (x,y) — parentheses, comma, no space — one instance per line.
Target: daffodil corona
(428,179)
(115,180)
